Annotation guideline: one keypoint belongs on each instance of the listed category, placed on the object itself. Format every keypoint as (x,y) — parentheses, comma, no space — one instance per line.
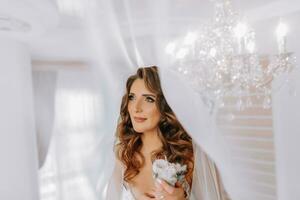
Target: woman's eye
(130,97)
(149,99)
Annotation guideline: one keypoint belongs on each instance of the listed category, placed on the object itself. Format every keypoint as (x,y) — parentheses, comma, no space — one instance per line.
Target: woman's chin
(139,130)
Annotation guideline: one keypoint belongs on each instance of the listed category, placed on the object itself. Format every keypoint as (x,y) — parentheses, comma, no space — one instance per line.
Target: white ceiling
(62,37)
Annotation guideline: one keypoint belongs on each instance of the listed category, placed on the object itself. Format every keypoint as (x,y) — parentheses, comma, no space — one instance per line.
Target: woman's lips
(139,119)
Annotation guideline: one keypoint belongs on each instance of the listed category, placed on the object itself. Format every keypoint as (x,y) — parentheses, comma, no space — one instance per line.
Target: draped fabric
(126,35)
(44,89)
(207,184)
(73,164)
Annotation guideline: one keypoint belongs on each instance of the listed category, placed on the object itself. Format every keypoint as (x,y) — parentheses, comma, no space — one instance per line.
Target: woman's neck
(151,141)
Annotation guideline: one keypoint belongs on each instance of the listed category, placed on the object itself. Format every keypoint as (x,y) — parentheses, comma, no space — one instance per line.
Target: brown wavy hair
(177,144)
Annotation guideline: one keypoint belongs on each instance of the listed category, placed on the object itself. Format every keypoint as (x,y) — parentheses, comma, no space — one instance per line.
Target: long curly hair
(177,144)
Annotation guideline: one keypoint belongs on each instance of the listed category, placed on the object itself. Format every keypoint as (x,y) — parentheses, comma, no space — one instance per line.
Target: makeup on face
(142,107)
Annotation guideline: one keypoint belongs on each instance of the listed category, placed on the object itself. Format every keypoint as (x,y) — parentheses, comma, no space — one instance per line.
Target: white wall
(286,116)
(18,153)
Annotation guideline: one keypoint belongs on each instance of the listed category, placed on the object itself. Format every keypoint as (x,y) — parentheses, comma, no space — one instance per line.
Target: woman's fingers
(164,190)
(158,186)
(177,184)
(165,186)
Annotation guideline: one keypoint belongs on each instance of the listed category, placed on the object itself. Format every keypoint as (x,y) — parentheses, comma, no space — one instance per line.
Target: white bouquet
(169,172)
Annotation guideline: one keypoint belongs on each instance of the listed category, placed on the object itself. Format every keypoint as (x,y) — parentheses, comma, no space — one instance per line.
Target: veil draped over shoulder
(207,183)
(126,35)
(131,34)
(254,156)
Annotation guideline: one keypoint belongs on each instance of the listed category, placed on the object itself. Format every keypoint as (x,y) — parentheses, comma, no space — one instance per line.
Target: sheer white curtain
(126,35)
(81,139)
(44,84)
(130,34)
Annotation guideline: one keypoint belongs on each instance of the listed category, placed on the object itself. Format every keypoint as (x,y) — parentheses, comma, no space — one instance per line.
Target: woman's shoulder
(118,161)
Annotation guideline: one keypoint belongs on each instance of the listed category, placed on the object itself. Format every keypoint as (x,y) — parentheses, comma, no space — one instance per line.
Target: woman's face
(142,108)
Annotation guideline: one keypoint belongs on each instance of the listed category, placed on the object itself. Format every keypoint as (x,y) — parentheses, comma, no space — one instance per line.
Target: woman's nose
(138,106)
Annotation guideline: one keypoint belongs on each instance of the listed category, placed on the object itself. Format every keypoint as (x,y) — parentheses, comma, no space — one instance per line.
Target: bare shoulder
(118,162)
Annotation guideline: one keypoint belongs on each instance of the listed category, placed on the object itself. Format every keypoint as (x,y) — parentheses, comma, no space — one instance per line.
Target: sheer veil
(130,34)
(83,104)
(207,183)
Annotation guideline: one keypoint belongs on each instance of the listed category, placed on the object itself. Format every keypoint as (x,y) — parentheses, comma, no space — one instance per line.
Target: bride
(148,130)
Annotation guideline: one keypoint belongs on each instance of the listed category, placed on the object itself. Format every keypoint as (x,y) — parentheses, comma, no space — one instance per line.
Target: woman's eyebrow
(151,95)
(145,95)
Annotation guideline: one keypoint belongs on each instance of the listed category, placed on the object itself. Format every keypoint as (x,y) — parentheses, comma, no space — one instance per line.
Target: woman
(149,130)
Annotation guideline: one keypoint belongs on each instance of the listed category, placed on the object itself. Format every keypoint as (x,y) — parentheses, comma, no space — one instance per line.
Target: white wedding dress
(206,182)
(127,193)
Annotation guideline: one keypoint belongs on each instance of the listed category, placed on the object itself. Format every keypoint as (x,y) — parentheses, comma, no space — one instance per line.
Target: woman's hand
(166,192)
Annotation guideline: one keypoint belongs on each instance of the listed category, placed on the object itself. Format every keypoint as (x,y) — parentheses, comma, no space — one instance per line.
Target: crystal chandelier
(220,59)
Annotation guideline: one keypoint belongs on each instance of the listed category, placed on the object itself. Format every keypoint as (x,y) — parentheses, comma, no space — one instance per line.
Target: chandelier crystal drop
(220,59)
